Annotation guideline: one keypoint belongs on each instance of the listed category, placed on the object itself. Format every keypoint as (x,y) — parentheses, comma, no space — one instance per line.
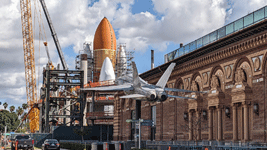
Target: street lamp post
(140,132)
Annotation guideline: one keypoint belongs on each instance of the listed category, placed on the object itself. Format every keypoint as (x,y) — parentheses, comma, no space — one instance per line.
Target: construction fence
(204,145)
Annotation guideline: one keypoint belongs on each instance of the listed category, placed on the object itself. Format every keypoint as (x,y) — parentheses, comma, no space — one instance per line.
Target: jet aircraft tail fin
(136,80)
(165,77)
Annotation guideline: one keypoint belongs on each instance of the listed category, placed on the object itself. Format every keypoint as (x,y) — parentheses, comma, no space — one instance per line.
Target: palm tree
(12,108)
(19,111)
(24,106)
(5,105)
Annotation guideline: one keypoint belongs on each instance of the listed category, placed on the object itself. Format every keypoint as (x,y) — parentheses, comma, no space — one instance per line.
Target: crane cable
(42,35)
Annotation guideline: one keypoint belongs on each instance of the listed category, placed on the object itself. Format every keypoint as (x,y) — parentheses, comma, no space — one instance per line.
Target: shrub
(74,146)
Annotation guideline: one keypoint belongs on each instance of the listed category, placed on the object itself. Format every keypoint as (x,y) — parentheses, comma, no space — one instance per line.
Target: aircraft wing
(123,87)
(133,96)
(181,90)
(174,96)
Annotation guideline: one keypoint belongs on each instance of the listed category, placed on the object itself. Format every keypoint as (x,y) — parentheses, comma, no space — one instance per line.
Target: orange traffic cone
(169,148)
(106,146)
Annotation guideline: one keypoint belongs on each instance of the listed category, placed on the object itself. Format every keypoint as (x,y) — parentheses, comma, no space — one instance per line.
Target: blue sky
(142,57)
(141,24)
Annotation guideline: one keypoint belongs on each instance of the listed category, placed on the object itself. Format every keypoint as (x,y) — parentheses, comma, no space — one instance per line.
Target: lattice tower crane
(29,61)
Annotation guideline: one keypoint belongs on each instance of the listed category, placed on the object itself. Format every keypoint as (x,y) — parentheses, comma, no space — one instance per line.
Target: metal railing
(202,145)
(244,22)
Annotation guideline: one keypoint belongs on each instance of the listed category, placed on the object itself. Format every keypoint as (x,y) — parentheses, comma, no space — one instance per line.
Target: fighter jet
(136,88)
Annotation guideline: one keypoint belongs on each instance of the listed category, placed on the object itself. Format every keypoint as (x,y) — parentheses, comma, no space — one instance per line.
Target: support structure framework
(53,81)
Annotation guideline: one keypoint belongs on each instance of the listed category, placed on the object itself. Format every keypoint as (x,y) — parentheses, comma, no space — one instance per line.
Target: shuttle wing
(123,87)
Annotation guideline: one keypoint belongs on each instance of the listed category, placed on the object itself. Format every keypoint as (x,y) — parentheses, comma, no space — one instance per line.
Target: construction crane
(50,64)
(54,35)
(29,61)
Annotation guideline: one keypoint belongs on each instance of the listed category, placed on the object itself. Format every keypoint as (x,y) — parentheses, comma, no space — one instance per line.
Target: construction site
(61,102)
(209,93)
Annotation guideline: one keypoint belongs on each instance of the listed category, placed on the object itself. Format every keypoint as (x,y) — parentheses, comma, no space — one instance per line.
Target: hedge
(74,146)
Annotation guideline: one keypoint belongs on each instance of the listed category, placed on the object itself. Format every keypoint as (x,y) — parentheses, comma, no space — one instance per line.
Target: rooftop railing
(244,22)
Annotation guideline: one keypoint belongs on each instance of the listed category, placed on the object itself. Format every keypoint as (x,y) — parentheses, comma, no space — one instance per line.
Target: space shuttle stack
(104,46)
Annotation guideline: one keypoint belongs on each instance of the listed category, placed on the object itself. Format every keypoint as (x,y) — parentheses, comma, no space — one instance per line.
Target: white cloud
(76,22)
(241,8)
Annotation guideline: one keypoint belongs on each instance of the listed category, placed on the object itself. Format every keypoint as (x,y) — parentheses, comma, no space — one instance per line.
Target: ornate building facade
(231,73)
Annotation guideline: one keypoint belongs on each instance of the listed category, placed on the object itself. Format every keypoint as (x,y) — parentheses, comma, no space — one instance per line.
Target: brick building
(230,65)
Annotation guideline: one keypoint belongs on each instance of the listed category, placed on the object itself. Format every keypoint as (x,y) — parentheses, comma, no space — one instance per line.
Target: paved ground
(36,148)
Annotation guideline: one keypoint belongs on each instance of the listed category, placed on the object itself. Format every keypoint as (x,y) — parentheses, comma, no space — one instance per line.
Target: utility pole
(5,138)
(140,120)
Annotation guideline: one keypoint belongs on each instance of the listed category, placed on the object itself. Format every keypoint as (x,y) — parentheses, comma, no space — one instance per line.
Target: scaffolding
(90,60)
(123,59)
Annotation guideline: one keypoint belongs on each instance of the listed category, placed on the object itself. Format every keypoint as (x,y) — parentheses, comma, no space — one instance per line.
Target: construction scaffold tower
(123,60)
(90,63)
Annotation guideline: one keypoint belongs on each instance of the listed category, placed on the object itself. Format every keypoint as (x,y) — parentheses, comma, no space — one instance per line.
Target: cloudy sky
(141,24)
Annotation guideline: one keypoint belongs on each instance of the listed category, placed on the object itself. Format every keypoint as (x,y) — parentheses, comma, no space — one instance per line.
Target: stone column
(234,123)
(198,125)
(190,126)
(219,123)
(210,124)
(246,116)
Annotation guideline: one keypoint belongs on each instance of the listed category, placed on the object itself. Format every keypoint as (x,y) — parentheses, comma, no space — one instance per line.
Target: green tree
(24,106)
(82,131)
(12,108)
(19,111)
(8,119)
(5,105)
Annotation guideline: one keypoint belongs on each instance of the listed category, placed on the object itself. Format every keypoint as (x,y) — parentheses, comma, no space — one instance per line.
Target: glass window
(259,15)
(266,12)
(176,54)
(22,137)
(221,32)
(229,28)
(192,46)
(170,56)
(205,40)
(213,36)
(199,43)
(239,24)
(181,51)
(248,20)
(186,49)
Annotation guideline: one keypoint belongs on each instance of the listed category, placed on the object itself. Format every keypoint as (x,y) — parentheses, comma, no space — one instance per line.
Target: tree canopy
(9,119)
(12,108)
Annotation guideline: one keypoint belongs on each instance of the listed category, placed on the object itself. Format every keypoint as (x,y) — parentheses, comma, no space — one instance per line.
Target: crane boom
(29,62)
(54,35)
